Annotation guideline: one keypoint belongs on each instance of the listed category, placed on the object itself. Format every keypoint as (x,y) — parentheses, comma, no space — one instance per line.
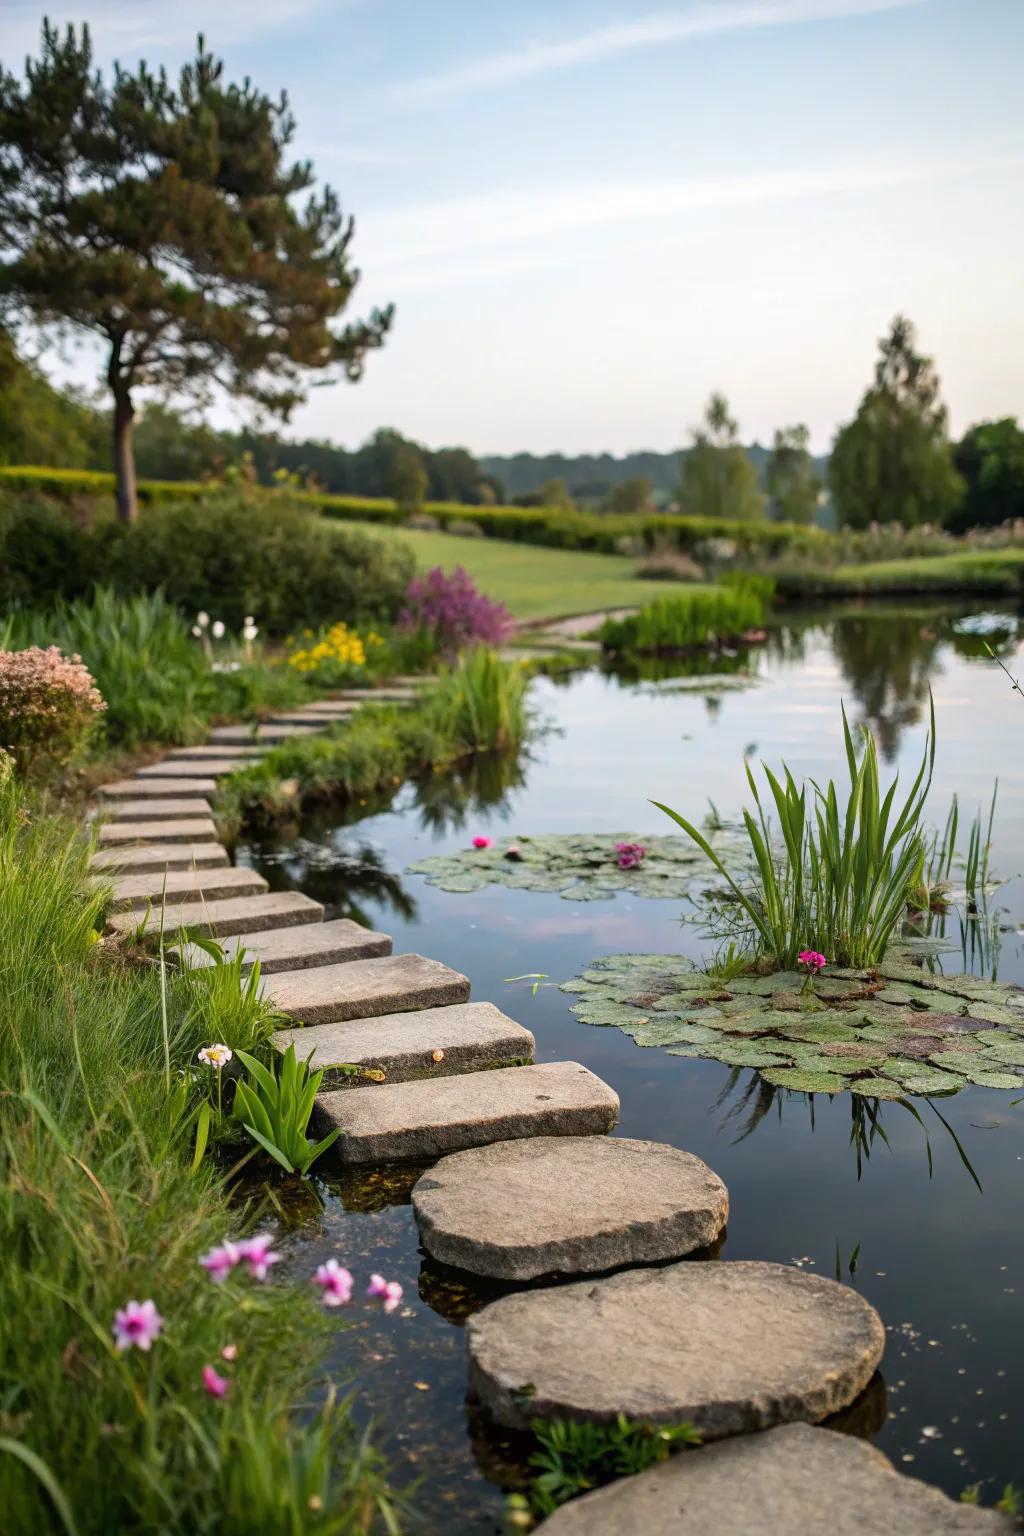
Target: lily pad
(804,1081)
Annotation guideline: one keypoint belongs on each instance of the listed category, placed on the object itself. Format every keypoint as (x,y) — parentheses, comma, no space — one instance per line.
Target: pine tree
(162,219)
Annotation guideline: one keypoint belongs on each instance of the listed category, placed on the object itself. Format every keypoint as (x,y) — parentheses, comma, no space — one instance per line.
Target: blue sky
(591,213)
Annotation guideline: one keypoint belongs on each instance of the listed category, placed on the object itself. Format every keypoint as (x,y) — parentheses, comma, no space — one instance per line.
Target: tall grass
(690,619)
(827,879)
(98,1205)
(481,702)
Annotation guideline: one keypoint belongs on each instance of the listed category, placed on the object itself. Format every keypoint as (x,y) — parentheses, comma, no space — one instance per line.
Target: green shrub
(689,619)
(44,552)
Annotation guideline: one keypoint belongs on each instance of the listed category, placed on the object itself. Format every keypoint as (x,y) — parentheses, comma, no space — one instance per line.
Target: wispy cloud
(658,29)
(120,27)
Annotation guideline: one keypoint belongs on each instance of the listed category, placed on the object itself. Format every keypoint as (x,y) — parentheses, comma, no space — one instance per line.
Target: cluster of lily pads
(895,1030)
(584,866)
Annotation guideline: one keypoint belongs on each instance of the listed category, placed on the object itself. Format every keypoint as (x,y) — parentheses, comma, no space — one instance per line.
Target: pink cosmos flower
(137,1323)
(219,1262)
(258,1254)
(812,961)
(482,842)
(335,1282)
(388,1290)
(215,1384)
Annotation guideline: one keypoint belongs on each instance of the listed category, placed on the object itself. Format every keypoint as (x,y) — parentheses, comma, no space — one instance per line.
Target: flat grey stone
(180,808)
(359,989)
(211,754)
(448,1114)
(728,1347)
(245,736)
(326,709)
(792,1481)
(187,829)
(150,856)
(393,694)
(220,919)
(149,888)
(292,949)
(469,1037)
(159,786)
(579,1205)
(195,768)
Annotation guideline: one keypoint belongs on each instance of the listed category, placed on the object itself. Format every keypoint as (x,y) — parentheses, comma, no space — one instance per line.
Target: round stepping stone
(796,1480)
(578,1205)
(729,1347)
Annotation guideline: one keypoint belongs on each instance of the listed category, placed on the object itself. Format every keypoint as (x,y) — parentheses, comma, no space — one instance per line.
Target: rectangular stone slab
(236,914)
(448,1114)
(327,709)
(385,695)
(362,989)
(471,1036)
(195,768)
(160,856)
(191,829)
(157,786)
(293,949)
(211,754)
(148,888)
(178,809)
(243,735)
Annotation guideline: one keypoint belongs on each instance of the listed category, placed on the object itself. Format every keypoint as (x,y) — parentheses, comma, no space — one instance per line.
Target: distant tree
(408,478)
(990,457)
(718,479)
(168,447)
(893,463)
(555,493)
(163,221)
(793,487)
(632,495)
(40,425)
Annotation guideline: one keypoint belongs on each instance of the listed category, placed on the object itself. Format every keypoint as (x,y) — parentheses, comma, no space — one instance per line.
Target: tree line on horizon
(164,221)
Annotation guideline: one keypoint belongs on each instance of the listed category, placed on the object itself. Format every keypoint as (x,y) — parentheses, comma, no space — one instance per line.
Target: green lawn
(968,571)
(533,582)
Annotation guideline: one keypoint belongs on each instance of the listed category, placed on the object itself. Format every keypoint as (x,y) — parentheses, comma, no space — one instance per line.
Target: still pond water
(941,1243)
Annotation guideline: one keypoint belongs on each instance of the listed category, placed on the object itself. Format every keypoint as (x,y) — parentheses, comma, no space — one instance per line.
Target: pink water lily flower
(219,1262)
(630,854)
(335,1283)
(258,1254)
(482,842)
(137,1324)
(811,960)
(215,1384)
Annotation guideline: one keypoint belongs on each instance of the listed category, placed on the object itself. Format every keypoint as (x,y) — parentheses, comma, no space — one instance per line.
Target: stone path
(794,1481)
(529,1186)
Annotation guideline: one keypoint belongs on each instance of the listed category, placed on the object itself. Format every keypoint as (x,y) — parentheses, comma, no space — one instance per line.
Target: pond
(932,1207)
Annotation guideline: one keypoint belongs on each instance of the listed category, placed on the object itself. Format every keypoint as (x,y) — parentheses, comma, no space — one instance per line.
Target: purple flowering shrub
(451,610)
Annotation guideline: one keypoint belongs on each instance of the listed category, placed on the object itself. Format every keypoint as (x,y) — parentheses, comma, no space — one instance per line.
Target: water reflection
(447,802)
(348,875)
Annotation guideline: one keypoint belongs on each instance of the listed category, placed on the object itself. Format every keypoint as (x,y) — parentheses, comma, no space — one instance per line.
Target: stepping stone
(448,1114)
(468,1036)
(195,768)
(188,829)
(158,786)
(728,1347)
(148,889)
(292,949)
(519,1209)
(178,809)
(211,754)
(160,856)
(319,719)
(329,709)
(393,694)
(270,735)
(220,919)
(360,989)
(796,1480)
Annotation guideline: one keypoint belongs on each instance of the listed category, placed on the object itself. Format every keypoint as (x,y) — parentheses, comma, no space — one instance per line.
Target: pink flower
(389,1290)
(229,1352)
(219,1262)
(482,842)
(335,1282)
(214,1383)
(138,1323)
(811,960)
(257,1253)
(630,854)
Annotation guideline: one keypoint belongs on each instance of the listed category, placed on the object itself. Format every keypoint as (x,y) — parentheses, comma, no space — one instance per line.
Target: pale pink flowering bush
(48,704)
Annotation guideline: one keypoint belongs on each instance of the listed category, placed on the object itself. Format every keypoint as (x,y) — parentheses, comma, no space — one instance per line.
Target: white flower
(217,629)
(215,1056)
(202,619)
(249,619)
(196,630)
(249,632)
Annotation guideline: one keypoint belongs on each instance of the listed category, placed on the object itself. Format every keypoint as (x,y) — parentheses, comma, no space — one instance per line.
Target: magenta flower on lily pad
(482,841)
(811,960)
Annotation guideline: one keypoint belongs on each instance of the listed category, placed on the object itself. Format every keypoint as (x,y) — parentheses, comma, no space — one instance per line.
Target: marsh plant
(575,1456)
(480,702)
(826,876)
(275,1105)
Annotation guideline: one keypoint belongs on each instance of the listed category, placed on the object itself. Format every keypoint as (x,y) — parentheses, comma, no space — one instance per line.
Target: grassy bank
(536,583)
(102,1203)
(996,572)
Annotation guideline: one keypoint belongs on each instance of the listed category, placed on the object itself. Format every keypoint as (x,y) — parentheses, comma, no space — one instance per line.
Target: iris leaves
(275,1110)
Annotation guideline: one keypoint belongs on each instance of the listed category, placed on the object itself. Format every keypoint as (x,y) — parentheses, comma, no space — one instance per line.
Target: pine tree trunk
(124,459)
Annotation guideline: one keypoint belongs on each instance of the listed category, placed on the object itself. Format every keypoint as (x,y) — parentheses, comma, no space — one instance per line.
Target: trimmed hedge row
(63,484)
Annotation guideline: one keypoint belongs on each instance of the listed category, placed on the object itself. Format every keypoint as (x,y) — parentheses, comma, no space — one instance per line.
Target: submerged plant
(839,881)
(275,1110)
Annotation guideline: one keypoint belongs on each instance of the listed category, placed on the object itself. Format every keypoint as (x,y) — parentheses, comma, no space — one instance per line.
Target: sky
(591,213)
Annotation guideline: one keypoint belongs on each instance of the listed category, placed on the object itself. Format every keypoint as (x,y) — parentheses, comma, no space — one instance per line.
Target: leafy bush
(451,610)
(576,1455)
(44,552)
(48,705)
(687,619)
(840,882)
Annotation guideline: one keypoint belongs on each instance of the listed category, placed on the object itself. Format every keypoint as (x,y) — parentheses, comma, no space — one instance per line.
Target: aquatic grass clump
(835,882)
(690,619)
(481,702)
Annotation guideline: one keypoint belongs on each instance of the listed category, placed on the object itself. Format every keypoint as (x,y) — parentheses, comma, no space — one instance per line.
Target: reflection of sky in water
(943,1262)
